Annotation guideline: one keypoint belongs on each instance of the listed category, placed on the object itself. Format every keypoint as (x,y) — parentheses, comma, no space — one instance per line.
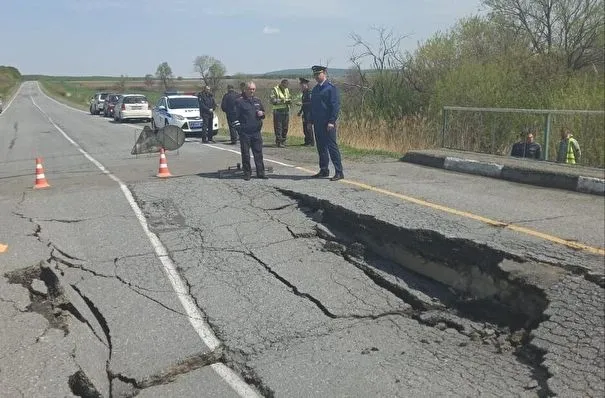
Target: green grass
(347,152)
(68,93)
(7,91)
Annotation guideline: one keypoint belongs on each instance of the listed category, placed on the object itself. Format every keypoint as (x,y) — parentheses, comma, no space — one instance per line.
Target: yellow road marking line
(3,248)
(517,228)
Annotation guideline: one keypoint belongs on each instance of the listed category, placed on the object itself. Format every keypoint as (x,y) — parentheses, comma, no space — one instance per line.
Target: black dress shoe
(262,177)
(337,176)
(321,174)
(247,176)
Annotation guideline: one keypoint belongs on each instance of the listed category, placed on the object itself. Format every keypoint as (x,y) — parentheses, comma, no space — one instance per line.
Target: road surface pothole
(48,298)
(45,295)
(451,283)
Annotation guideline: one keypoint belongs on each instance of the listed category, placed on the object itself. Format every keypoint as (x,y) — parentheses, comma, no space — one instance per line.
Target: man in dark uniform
(325,108)
(207,106)
(227,104)
(305,111)
(248,115)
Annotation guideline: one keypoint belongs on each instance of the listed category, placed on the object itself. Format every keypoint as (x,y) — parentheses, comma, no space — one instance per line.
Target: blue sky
(132,37)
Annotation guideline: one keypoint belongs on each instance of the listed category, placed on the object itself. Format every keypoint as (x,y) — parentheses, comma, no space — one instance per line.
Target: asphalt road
(116,283)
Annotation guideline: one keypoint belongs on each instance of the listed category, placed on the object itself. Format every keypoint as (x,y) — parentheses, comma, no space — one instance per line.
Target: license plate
(195,125)
(137,107)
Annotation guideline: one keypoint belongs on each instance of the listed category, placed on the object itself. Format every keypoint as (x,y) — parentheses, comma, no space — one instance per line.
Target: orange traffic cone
(163,171)
(40,177)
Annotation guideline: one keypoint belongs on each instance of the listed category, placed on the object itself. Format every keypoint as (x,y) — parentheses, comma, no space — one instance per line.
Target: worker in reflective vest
(281,101)
(569,149)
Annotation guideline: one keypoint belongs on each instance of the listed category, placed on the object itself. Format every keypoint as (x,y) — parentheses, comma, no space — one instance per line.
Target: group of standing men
(320,108)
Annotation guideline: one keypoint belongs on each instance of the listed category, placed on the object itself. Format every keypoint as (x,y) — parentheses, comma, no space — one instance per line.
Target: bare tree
(120,85)
(149,81)
(211,70)
(164,73)
(386,62)
(386,55)
(571,29)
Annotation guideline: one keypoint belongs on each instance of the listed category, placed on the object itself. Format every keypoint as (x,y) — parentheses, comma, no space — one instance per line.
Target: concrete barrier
(540,178)
(595,186)
(472,167)
(520,174)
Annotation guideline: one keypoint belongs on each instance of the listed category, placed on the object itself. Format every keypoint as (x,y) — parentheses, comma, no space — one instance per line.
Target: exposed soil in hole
(481,290)
(52,306)
(465,278)
(81,386)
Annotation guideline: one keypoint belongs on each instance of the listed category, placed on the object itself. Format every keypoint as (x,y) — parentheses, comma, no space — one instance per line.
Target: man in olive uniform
(281,101)
(325,108)
(305,112)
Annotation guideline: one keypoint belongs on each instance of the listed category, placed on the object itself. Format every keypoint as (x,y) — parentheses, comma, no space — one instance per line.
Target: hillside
(9,79)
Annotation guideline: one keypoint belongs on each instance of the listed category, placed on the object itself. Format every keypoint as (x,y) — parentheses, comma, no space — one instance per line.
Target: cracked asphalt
(313,288)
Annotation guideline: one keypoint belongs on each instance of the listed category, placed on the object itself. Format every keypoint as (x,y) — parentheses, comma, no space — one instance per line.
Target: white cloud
(268,30)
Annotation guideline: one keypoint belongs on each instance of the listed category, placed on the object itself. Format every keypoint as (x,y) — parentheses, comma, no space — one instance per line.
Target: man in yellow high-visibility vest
(281,101)
(569,150)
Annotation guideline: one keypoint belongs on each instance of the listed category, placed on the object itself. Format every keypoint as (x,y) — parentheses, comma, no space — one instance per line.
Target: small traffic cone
(163,171)
(40,177)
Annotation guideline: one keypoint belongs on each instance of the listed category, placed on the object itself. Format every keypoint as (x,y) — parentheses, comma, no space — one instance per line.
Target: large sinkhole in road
(458,286)
(449,282)
(461,276)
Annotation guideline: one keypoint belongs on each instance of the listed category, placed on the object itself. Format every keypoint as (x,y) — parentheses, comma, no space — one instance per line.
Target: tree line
(537,54)
(534,54)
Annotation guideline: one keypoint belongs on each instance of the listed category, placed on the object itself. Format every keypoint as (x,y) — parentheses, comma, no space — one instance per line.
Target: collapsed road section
(309,298)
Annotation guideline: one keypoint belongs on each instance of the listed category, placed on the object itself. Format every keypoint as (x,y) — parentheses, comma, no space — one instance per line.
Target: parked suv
(97,102)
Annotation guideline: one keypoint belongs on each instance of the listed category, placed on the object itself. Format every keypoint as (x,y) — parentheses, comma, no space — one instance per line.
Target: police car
(179,109)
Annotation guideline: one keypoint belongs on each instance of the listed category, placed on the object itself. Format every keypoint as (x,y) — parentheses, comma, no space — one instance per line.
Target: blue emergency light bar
(174,92)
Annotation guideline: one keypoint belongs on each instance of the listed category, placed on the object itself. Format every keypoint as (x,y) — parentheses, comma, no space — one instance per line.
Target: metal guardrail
(547,112)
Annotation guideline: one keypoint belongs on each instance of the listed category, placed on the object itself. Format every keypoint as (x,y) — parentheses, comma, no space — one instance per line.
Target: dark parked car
(110,103)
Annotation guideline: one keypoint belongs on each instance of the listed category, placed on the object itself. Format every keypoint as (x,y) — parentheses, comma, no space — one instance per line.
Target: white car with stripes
(180,110)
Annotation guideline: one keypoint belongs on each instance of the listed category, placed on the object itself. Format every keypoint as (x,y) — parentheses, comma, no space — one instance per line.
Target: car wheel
(153,126)
(91,111)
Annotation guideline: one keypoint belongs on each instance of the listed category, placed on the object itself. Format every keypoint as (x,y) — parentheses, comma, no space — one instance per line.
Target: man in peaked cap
(325,108)
(305,112)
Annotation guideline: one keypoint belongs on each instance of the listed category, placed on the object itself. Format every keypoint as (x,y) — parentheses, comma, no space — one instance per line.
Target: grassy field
(356,140)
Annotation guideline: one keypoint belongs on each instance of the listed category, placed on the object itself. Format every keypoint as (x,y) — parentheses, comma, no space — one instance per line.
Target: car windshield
(135,99)
(183,103)
(103,96)
(113,98)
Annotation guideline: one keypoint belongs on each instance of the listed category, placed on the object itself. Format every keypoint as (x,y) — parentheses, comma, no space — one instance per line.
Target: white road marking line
(193,313)
(239,153)
(4,109)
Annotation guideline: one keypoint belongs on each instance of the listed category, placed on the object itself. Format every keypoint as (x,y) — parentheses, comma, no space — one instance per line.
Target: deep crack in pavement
(58,290)
(485,300)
